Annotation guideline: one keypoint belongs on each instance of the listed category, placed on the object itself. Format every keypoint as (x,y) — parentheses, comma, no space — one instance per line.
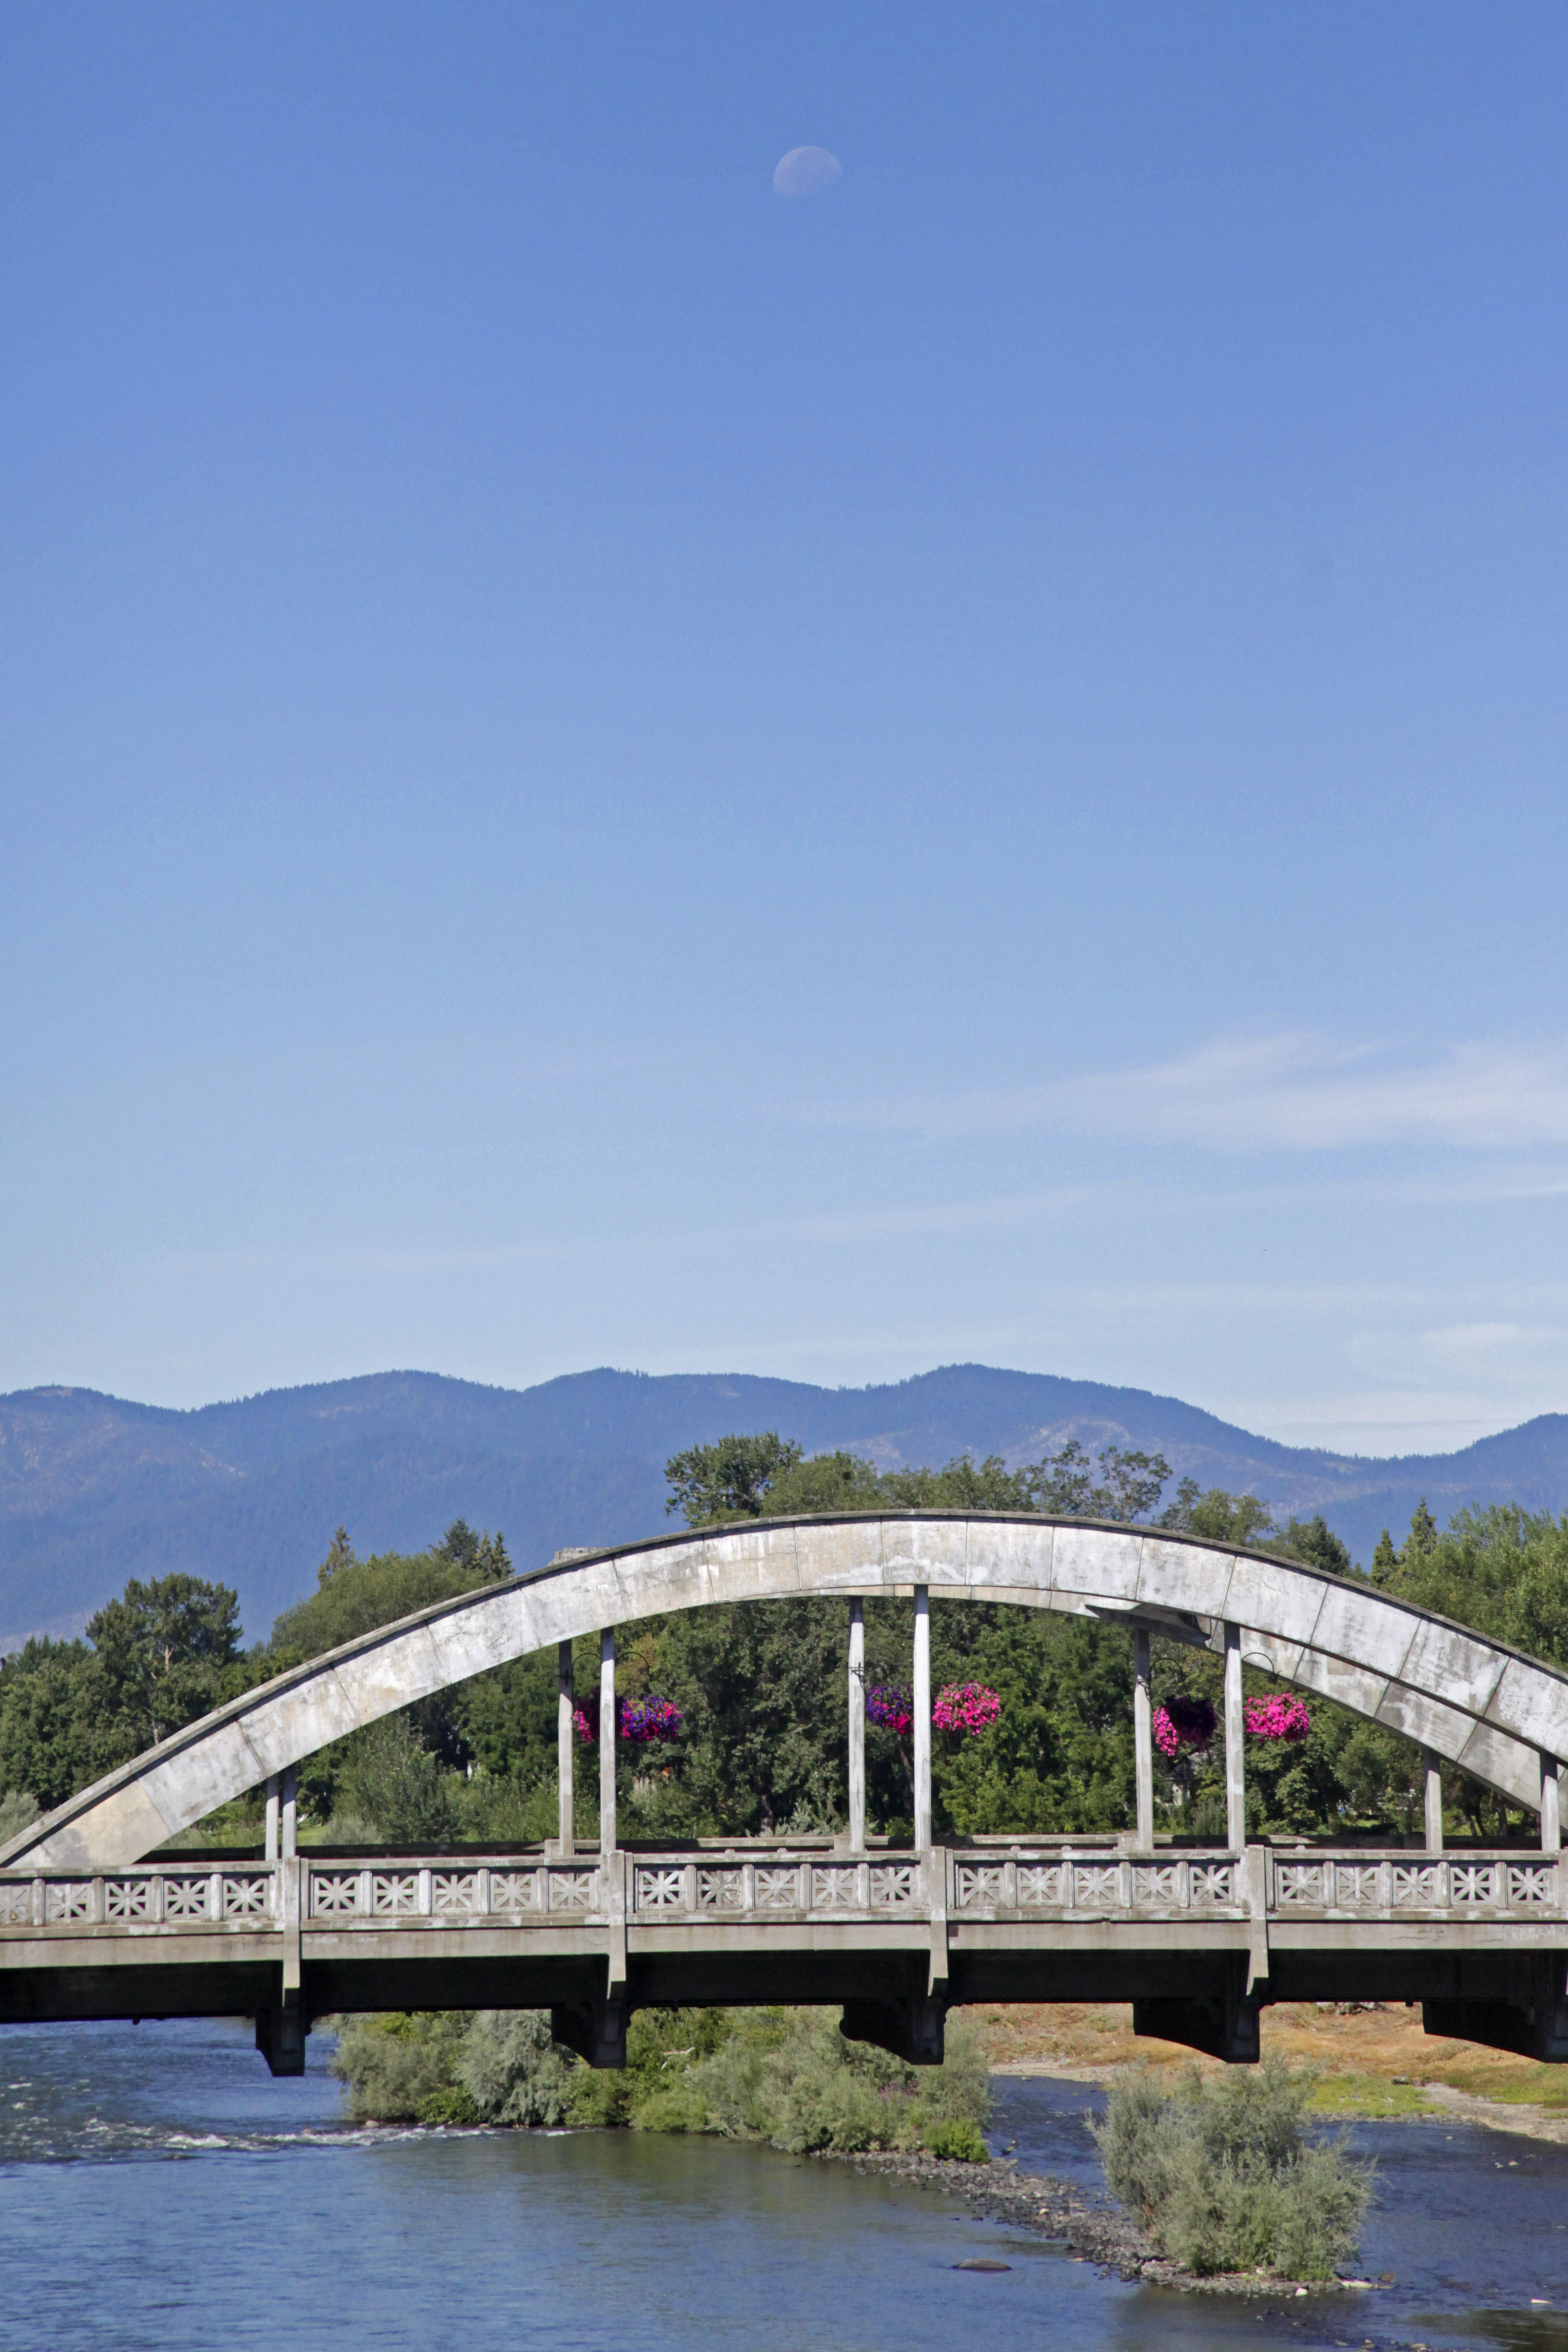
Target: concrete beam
(1433,1775)
(1143,1741)
(923,1718)
(607,1740)
(565,1745)
(1235,1744)
(857,1699)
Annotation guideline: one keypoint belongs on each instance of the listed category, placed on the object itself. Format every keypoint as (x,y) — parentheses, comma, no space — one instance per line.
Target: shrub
(452,2106)
(1224,2176)
(511,2071)
(957,2140)
(393,2063)
(789,2076)
(19,1811)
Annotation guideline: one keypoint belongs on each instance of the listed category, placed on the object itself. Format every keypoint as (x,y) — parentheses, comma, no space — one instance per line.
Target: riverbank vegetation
(785,2076)
(759,1687)
(1224,2176)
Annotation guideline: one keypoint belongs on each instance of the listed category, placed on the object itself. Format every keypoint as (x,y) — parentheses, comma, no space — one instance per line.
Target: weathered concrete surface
(1475,1703)
(1198,1939)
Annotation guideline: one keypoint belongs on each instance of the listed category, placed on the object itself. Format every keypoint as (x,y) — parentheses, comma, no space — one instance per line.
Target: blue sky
(600,766)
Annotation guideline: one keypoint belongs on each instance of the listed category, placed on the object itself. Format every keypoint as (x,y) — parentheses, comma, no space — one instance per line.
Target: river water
(159,2189)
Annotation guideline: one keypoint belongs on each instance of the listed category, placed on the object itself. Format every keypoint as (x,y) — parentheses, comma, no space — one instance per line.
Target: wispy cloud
(1295,1092)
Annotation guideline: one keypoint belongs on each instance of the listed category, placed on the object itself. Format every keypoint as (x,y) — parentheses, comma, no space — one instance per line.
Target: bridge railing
(1049,1880)
(232,1895)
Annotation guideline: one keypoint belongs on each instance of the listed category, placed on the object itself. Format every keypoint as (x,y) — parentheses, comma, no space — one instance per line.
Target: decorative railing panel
(1455,1888)
(1092,1886)
(762,1888)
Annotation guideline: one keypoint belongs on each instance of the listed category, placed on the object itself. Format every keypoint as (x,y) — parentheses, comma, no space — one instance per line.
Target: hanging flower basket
(969,1707)
(1182,1723)
(892,1707)
(1278,1717)
(649,1718)
(636,1719)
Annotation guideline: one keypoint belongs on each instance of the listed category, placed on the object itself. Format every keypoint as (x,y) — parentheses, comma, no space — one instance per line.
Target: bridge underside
(1204,1992)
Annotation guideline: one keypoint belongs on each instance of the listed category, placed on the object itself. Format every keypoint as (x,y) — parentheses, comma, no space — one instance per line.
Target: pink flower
(1182,1723)
(1278,1717)
(965,1706)
(893,1708)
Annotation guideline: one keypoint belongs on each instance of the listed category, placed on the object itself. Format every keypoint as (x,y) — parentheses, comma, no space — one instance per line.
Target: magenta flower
(637,1719)
(893,1708)
(649,1718)
(1182,1723)
(1278,1717)
(965,1706)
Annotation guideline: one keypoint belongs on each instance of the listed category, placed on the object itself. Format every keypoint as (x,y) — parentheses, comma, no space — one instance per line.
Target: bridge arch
(1499,1714)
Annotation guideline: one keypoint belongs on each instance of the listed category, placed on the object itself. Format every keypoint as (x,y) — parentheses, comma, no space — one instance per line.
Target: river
(159,2189)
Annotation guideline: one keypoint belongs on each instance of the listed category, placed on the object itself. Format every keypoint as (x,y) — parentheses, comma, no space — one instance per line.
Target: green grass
(1344,2096)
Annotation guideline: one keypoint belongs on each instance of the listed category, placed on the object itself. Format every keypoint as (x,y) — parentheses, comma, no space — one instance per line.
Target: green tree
(730,1479)
(355,1596)
(55,1731)
(163,1647)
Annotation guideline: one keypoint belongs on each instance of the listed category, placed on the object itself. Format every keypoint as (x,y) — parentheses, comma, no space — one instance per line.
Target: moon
(806,172)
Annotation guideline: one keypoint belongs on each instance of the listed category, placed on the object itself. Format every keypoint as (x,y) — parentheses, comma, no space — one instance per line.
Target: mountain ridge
(95,1489)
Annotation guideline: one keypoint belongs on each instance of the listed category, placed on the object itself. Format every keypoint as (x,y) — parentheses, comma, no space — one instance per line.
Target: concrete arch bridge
(95,1923)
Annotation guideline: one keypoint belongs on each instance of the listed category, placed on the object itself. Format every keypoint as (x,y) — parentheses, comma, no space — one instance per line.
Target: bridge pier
(1531,2017)
(857,1727)
(594,2029)
(271,1844)
(281,2038)
(1222,2023)
(1551,1802)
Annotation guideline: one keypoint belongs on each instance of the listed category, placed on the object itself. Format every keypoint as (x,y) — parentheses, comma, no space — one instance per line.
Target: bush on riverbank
(1224,2176)
(787,2077)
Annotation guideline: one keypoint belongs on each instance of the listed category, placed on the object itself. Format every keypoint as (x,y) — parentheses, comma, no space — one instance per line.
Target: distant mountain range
(93,1490)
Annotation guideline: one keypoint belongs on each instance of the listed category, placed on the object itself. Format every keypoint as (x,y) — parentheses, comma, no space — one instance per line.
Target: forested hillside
(94,1490)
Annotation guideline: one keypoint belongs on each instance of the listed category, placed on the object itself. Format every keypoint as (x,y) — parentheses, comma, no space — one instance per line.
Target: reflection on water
(159,2188)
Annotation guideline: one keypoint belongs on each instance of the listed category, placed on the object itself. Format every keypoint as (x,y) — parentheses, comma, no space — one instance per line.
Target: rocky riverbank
(1088,2228)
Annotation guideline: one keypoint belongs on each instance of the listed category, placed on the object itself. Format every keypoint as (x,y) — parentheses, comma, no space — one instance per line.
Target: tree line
(761,1686)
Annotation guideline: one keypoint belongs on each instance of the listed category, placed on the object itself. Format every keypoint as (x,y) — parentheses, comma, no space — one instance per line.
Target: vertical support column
(923,1718)
(1143,1740)
(1550,1807)
(565,1733)
(272,1817)
(1433,1777)
(1235,1753)
(291,1812)
(607,1741)
(857,1727)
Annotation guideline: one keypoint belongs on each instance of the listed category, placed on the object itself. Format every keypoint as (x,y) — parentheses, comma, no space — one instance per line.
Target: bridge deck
(1024,1920)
